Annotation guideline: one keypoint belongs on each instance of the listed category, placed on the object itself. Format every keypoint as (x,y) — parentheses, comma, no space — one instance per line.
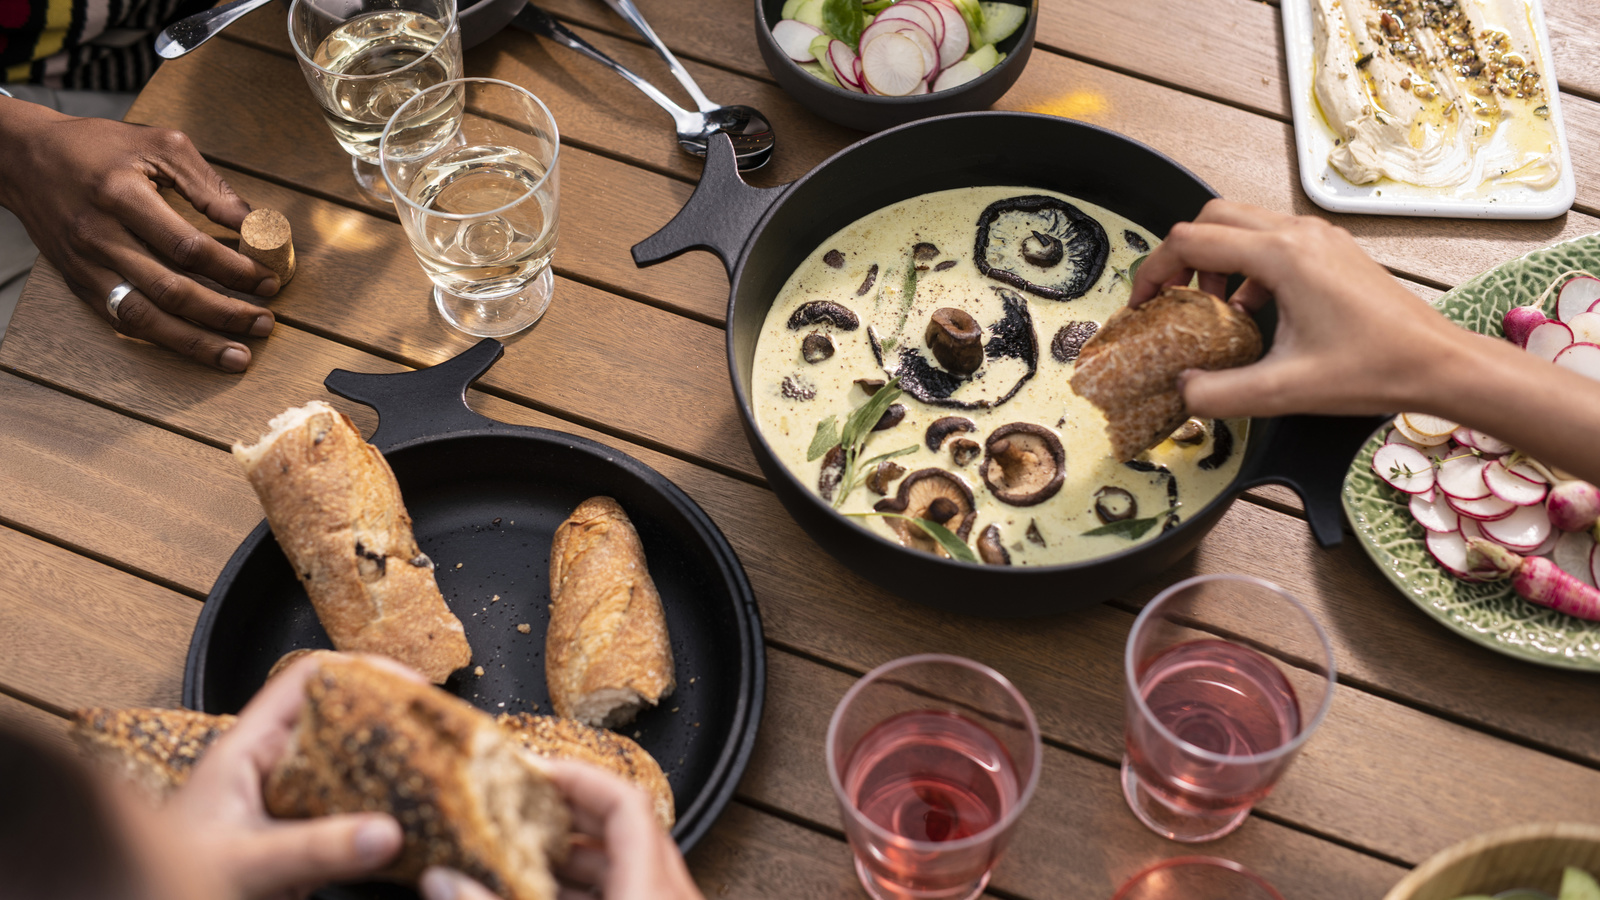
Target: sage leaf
(827,435)
(944,537)
(1133,267)
(842,20)
(863,417)
(884,457)
(1132,529)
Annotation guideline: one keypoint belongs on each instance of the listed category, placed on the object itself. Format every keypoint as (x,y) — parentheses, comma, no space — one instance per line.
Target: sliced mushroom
(1135,240)
(1192,431)
(1221,445)
(1024,464)
(935,495)
(870,386)
(941,428)
(834,259)
(1011,358)
(816,347)
(797,388)
(1042,250)
(1113,504)
(923,251)
(956,340)
(1034,535)
(947,264)
(1067,343)
(823,311)
(866,285)
(885,472)
(891,417)
(964,450)
(990,549)
(832,472)
(1012,246)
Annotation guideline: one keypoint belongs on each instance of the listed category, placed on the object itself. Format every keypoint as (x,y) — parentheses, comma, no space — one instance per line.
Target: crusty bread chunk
(154,749)
(466,794)
(335,509)
(1130,368)
(607,654)
(557,738)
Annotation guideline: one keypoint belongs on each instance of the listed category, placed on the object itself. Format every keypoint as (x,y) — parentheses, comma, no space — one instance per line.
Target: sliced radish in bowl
(1523,530)
(1549,339)
(956,40)
(1512,488)
(795,38)
(843,61)
(1436,516)
(1581,358)
(1577,296)
(893,64)
(1403,468)
(1462,478)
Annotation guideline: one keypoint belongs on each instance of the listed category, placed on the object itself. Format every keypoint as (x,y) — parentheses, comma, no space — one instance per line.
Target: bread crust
(154,749)
(335,509)
(607,652)
(371,740)
(1130,368)
(557,738)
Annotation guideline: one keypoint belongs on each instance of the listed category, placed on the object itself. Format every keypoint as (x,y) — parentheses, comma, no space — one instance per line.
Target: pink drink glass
(1197,878)
(932,758)
(1212,724)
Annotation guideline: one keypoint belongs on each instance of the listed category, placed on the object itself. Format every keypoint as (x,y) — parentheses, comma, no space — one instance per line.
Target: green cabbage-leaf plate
(1490,614)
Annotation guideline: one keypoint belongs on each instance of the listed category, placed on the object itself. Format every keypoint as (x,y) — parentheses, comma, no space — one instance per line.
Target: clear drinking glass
(364,58)
(932,758)
(480,202)
(1197,878)
(1212,724)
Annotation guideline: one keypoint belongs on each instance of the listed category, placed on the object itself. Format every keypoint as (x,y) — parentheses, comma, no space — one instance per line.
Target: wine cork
(265,238)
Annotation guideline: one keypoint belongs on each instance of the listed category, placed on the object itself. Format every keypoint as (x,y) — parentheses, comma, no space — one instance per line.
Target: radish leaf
(842,19)
(827,435)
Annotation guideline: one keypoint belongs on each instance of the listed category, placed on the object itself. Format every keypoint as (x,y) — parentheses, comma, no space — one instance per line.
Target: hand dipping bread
(335,509)
(606,654)
(1130,368)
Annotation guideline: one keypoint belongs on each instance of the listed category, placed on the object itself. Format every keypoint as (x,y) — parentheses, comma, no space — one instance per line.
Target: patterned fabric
(85,44)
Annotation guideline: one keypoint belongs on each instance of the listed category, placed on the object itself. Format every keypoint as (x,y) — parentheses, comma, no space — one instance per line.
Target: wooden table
(119,504)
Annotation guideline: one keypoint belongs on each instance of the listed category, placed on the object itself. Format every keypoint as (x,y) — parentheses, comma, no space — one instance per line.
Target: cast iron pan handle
(1311,454)
(425,402)
(719,217)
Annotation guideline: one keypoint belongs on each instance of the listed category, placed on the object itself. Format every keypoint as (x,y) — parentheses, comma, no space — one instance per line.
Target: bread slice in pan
(607,654)
(154,749)
(335,509)
(466,793)
(558,738)
(1130,368)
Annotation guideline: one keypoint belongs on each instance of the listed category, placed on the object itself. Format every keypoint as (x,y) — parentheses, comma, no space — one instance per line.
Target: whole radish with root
(1534,578)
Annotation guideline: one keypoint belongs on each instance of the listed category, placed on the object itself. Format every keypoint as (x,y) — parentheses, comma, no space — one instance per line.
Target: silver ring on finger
(115,298)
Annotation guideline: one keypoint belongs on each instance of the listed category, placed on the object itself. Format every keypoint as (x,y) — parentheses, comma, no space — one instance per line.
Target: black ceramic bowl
(866,112)
(480,20)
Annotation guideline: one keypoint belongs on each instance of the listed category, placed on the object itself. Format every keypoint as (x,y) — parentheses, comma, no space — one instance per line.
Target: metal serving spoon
(186,34)
(749,130)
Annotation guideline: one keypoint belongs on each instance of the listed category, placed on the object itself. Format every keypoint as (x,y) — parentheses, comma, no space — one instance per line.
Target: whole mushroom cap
(919,493)
(1024,464)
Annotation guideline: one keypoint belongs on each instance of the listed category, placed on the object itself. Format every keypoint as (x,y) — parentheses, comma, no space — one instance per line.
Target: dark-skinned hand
(87,192)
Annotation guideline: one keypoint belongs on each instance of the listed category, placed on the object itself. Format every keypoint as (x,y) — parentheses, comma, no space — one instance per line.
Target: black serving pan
(486,498)
(762,234)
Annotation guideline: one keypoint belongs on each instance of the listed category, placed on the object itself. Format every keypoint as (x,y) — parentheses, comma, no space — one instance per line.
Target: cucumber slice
(985,57)
(810,12)
(789,8)
(1000,20)
(973,13)
(1576,884)
(819,47)
(821,71)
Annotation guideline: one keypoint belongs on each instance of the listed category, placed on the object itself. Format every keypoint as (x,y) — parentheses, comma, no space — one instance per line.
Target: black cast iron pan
(762,234)
(486,498)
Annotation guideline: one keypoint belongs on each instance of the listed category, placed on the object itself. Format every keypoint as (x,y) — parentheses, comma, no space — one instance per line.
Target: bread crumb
(494,599)
(697,724)
(674,709)
(502,703)
(459,565)
(478,671)
(524,628)
(636,735)
(694,679)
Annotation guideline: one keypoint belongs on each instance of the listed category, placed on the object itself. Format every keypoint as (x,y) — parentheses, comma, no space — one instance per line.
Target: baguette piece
(1130,368)
(336,511)
(607,654)
(466,794)
(154,749)
(557,738)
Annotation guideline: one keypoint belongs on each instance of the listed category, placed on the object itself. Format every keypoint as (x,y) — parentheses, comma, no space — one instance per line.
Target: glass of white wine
(479,202)
(365,58)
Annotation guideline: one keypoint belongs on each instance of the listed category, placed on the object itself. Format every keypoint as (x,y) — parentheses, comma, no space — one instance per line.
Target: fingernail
(268,287)
(439,884)
(376,840)
(234,359)
(262,326)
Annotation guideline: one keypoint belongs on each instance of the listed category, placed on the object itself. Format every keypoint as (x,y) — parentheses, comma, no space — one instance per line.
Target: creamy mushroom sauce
(788,418)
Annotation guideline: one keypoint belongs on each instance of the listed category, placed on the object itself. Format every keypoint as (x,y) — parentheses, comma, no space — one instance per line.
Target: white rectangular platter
(1314,139)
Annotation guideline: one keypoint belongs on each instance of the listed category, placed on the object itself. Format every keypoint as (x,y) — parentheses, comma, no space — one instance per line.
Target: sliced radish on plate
(1577,296)
(1436,516)
(1585,327)
(1403,468)
(1548,545)
(1571,554)
(1512,488)
(1549,339)
(1594,565)
(1477,440)
(1421,440)
(1449,549)
(795,38)
(1428,426)
(1484,509)
(1395,437)
(1524,529)
(1581,358)
(1462,478)
(893,64)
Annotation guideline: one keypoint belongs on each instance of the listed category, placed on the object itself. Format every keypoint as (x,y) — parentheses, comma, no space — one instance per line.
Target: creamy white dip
(791,396)
(1434,93)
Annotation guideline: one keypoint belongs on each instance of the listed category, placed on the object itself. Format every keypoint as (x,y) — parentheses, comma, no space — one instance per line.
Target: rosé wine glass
(932,758)
(1212,724)
(1197,878)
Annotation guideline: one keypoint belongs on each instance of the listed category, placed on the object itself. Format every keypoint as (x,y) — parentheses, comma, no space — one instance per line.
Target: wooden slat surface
(118,502)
